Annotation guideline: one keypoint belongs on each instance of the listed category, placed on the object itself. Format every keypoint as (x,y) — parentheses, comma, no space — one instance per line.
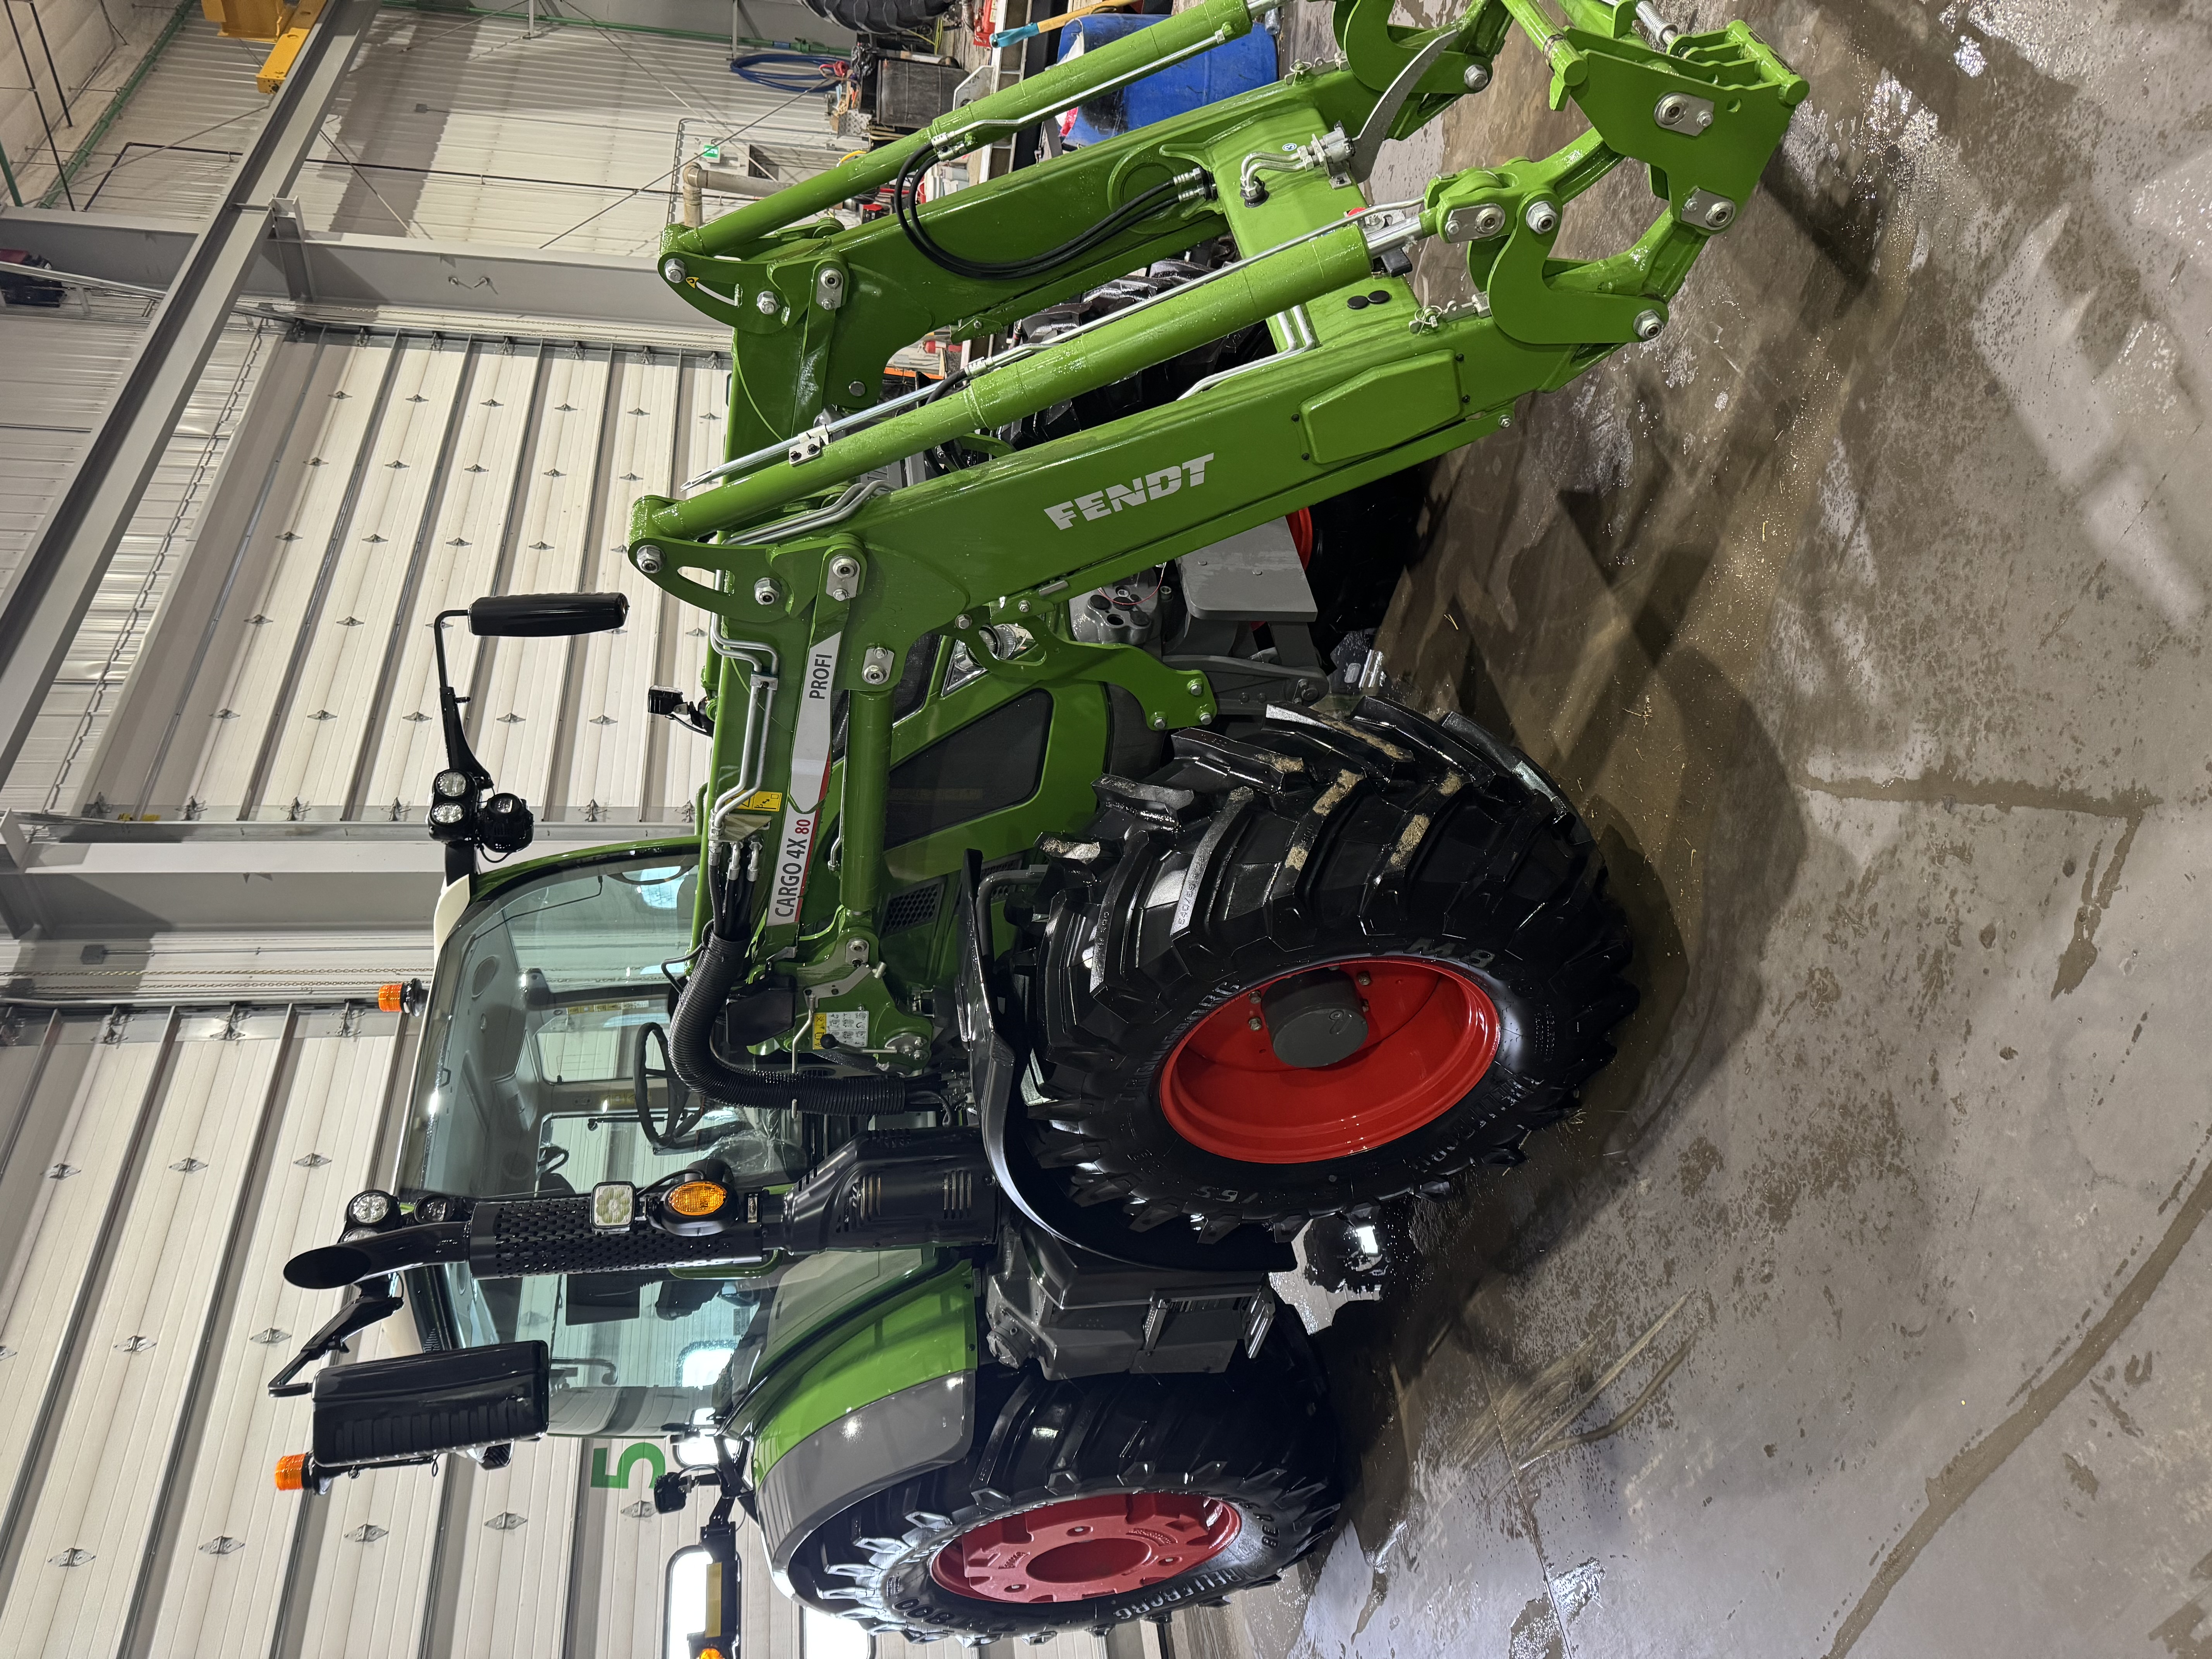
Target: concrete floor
(1861,1311)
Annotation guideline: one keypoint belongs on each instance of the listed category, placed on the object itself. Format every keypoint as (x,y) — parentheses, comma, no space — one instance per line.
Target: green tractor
(913,1146)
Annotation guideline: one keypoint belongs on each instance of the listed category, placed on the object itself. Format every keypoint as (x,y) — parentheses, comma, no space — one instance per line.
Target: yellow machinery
(285,25)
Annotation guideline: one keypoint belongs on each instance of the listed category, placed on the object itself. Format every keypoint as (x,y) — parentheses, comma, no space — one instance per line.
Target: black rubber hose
(692,1055)
(1036,264)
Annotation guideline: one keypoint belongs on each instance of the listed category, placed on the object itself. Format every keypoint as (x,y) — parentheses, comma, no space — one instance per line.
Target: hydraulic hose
(1034,265)
(692,1055)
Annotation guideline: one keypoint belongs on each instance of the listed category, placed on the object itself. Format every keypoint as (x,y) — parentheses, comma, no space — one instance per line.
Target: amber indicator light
(387,998)
(292,1473)
(696,1198)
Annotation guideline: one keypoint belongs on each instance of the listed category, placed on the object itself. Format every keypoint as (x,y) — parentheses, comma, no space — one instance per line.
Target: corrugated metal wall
(62,368)
(74,54)
(167,1161)
(458,129)
(420,472)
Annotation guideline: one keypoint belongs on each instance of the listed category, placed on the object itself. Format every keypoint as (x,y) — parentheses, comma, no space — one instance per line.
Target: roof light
(613,1203)
(369,1208)
(292,1473)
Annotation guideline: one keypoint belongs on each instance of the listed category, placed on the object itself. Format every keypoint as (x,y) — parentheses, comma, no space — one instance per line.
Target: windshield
(526,1087)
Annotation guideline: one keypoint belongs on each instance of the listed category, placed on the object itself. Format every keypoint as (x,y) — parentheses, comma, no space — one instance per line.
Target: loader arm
(820,581)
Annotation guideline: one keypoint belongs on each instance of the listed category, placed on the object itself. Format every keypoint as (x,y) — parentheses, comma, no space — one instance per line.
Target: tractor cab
(540,1077)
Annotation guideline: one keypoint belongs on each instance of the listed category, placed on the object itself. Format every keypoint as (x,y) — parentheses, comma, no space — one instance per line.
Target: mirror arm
(458,756)
(362,1311)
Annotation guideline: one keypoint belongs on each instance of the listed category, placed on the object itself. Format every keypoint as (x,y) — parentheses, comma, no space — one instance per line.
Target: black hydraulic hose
(692,1055)
(909,218)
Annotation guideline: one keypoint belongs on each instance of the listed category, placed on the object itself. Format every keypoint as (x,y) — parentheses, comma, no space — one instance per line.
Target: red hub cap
(1430,1035)
(1086,1546)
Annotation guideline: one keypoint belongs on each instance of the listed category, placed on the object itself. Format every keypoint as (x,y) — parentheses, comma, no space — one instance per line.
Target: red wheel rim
(1086,1546)
(1431,1034)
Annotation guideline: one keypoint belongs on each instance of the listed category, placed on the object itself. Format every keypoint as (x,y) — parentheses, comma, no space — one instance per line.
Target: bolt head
(1542,217)
(859,388)
(1719,214)
(766,303)
(1489,219)
(844,566)
(1648,324)
(647,558)
(1670,109)
(962,621)
(1256,1024)
(1159,722)
(1195,686)
(1477,78)
(1023,607)
(672,271)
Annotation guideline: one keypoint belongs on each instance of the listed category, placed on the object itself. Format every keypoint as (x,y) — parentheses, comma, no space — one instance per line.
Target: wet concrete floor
(1862,1310)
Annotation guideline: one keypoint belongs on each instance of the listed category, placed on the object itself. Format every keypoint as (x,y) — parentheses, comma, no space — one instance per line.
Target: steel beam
(61,573)
(91,878)
(330,270)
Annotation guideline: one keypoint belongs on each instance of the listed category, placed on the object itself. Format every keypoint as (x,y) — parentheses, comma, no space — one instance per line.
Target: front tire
(1315,967)
(1092,1501)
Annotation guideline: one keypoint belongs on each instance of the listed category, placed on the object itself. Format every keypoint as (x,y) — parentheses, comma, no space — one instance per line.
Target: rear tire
(1422,867)
(1154,1492)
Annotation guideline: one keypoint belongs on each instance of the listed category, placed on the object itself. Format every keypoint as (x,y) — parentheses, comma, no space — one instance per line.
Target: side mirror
(547,615)
(418,1406)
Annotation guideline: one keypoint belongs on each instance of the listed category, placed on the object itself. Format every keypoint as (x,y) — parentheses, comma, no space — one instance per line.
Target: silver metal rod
(1663,33)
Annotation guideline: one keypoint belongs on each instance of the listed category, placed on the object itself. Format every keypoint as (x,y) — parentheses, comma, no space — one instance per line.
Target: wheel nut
(1542,218)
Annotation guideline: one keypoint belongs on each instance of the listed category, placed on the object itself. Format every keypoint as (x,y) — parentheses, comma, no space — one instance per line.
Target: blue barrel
(1235,66)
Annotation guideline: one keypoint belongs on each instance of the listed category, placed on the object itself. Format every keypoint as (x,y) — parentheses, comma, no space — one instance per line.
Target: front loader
(913,1147)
